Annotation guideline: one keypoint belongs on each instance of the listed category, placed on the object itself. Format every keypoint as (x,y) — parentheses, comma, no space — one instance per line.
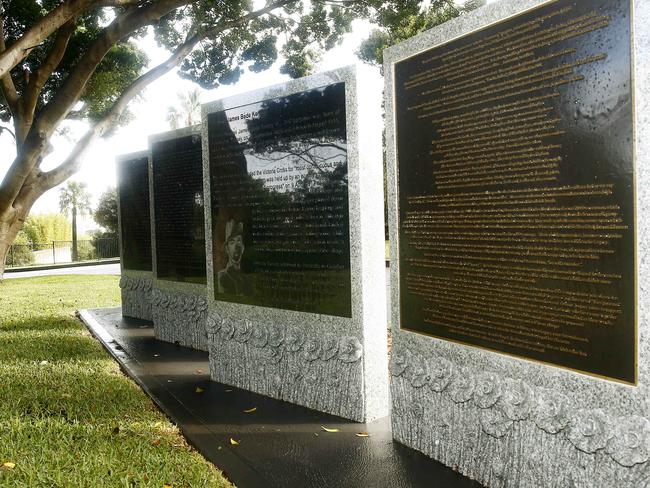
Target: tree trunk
(10,224)
(75,252)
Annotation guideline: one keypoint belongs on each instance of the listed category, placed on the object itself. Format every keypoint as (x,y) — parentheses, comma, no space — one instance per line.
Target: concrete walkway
(280,445)
(109,269)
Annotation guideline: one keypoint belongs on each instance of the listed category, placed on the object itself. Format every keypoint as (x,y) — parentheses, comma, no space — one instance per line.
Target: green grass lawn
(68,416)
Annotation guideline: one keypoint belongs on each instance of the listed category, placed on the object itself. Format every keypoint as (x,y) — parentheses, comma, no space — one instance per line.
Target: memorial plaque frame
(330,363)
(505,420)
(179,309)
(135,285)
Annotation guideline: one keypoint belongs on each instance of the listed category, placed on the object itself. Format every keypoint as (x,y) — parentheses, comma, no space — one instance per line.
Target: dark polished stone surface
(516,188)
(135,219)
(280,218)
(281,445)
(178,209)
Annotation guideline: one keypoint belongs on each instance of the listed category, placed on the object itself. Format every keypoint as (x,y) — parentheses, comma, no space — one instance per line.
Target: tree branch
(41,30)
(71,90)
(39,77)
(2,129)
(6,83)
(71,165)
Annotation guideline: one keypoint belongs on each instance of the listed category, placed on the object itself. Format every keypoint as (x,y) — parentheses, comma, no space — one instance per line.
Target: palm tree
(189,112)
(74,199)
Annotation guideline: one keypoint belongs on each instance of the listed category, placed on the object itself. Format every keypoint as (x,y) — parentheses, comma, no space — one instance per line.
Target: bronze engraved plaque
(516,188)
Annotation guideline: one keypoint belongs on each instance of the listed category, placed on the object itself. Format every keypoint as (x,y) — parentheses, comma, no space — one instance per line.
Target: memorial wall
(134,222)
(295,226)
(513,216)
(179,301)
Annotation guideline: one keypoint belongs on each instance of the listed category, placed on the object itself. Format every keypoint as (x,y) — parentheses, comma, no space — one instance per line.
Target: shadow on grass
(49,345)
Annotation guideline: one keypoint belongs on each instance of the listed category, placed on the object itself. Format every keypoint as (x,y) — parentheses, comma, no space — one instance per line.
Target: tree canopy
(79,59)
(106,212)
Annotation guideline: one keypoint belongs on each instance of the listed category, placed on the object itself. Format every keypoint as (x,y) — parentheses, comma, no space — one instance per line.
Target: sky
(98,169)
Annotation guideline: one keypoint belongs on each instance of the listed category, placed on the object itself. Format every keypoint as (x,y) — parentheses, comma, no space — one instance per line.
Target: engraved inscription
(278,172)
(515,170)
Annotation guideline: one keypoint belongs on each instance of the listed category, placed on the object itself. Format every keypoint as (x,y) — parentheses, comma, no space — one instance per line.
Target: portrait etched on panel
(231,280)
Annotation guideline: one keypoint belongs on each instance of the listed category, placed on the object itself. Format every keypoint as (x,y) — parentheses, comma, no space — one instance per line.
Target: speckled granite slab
(178,309)
(135,285)
(330,363)
(509,422)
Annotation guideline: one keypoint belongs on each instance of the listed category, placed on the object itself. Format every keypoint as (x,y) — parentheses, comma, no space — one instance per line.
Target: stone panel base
(503,431)
(298,365)
(136,297)
(179,318)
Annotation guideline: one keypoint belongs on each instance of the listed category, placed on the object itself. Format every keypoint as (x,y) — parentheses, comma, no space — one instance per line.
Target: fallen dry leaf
(251,410)
(155,442)
(199,390)
(8,465)
(234,442)
(329,430)
(362,434)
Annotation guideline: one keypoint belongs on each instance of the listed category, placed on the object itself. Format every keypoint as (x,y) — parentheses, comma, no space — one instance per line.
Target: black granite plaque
(135,221)
(516,193)
(178,209)
(279,180)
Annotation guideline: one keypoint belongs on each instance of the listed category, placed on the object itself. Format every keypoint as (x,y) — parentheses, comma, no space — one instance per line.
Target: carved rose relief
(399,363)
(243,330)
(516,399)
(276,336)
(350,350)
(552,411)
(417,373)
(589,430)
(462,387)
(329,349)
(260,336)
(294,340)
(227,329)
(487,390)
(630,443)
(311,350)
(213,324)
(440,374)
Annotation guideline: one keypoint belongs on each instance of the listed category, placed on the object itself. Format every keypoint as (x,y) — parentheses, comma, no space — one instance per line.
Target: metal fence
(58,252)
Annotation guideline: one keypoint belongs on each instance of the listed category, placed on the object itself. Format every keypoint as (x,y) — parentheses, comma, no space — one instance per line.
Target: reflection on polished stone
(135,221)
(178,209)
(279,185)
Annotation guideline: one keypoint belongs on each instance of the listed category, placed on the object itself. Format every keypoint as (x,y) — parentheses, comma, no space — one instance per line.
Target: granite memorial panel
(135,234)
(178,228)
(296,268)
(514,148)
